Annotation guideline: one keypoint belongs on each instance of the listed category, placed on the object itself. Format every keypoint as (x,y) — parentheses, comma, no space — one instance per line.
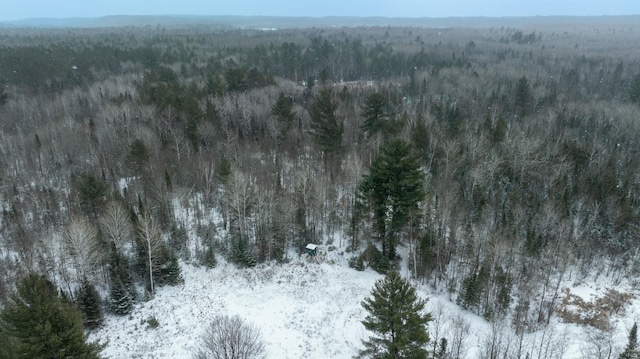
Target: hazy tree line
(122,152)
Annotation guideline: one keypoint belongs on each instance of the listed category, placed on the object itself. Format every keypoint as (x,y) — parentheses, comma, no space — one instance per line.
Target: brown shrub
(597,311)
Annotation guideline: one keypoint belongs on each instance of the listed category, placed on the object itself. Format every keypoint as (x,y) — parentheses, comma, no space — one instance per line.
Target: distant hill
(271,22)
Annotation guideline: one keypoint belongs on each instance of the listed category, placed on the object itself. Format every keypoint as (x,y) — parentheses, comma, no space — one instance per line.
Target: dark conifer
(374,114)
(7,343)
(634,90)
(122,294)
(393,188)
(40,323)
(327,129)
(92,193)
(138,157)
(3,95)
(631,350)
(282,111)
(121,298)
(88,301)
(470,292)
(523,97)
(211,114)
(170,272)
(397,319)
(236,79)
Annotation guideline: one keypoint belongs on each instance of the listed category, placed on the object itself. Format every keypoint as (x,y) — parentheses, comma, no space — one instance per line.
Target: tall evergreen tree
(397,319)
(122,294)
(7,343)
(634,90)
(92,193)
(3,95)
(214,85)
(88,301)
(170,272)
(193,117)
(40,323)
(373,112)
(282,111)
(449,114)
(327,129)
(284,116)
(631,350)
(121,298)
(470,292)
(138,157)
(420,139)
(523,97)
(393,188)
(236,79)
(211,113)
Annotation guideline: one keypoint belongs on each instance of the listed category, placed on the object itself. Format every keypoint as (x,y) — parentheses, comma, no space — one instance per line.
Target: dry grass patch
(595,312)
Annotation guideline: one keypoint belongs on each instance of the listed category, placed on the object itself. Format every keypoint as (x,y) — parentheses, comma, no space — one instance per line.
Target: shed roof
(311,246)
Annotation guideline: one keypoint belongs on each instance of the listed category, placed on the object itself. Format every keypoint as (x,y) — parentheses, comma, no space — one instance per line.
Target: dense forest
(493,163)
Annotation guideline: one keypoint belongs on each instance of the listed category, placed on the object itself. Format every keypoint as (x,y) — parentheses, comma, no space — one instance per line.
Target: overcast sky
(21,9)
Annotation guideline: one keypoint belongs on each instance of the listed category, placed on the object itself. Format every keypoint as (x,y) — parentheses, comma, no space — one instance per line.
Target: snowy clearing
(312,310)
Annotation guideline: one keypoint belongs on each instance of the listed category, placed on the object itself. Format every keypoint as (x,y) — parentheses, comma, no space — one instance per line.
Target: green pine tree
(393,188)
(223,170)
(397,319)
(523,97)
(283,113)
(40,323)
(374,114)
(138,157)
(215,85)
(170,272)
(326,128)
(88,301)
(282,110)
(122,294)
(208,256)
(470,291)
(3,95)
(92,193)
(7,343)
(634,90)
(121,298)
(420,139)
(236,79)
(241,254)
(211,114)
(631,350)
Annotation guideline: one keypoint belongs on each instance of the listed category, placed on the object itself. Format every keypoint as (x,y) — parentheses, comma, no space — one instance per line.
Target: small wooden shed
(311,249)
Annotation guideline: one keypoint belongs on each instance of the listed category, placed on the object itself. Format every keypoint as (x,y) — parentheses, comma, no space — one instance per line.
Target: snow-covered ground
(303,309)
(306,309)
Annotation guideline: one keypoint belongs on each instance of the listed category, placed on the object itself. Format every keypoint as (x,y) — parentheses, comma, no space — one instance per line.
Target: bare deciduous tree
(498,341)
(460,332)
(116,224)
(149,234)
(240,199)
(437,326)
(207,180)
(81,244)
(231,338)
(598,344)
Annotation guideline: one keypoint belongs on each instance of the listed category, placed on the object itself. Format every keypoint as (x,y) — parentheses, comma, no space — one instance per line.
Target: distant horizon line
(318,17)
(290,21)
